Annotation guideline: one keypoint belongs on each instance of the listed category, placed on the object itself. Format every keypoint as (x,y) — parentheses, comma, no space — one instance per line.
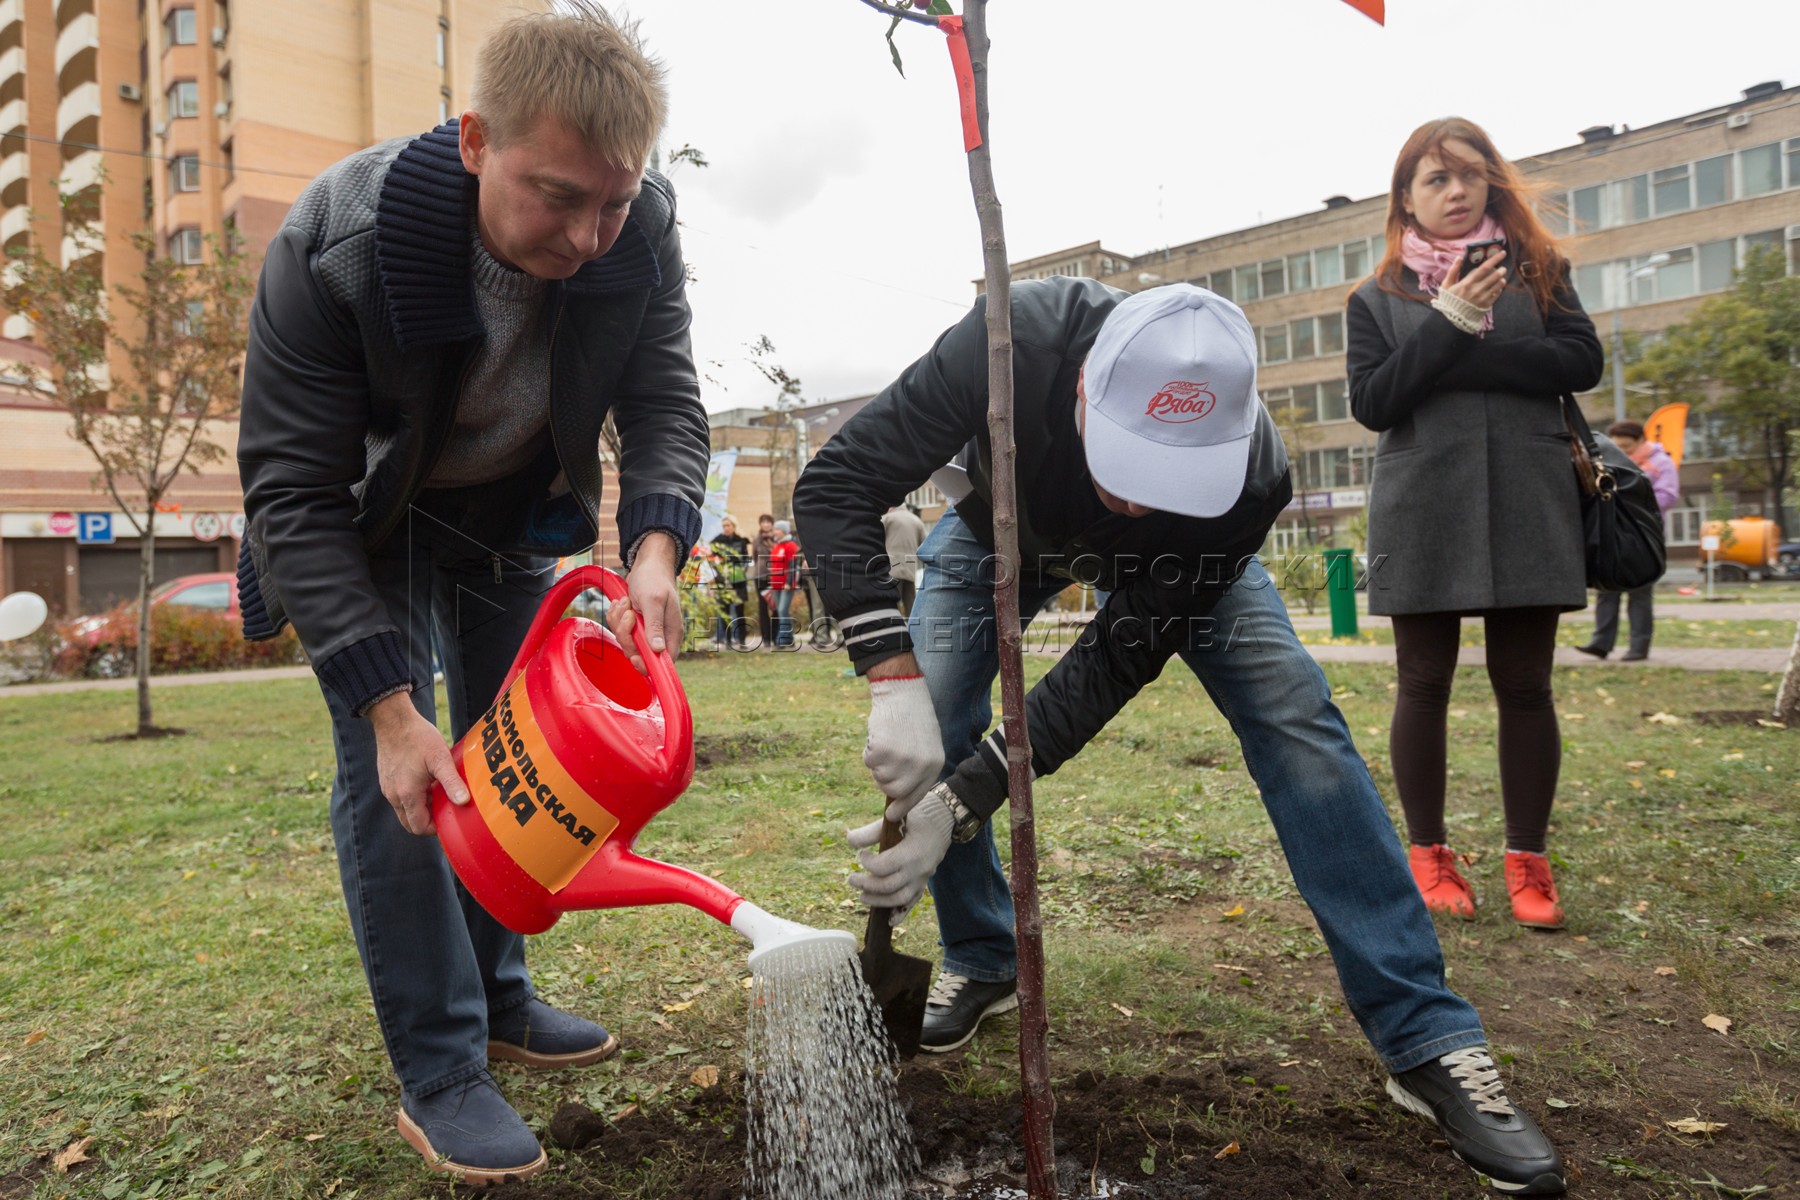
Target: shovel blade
(901,984)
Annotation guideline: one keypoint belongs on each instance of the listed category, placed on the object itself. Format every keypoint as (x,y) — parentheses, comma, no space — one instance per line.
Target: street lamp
(800,425)
(1643,270)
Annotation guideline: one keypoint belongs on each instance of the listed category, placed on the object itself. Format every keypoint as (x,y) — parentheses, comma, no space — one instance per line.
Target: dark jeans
(729,627)
(1520,643)
(1640,606)
(765,616)
(437,965)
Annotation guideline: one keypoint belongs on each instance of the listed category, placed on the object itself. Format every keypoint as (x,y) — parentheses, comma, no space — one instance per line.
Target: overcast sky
(836,217)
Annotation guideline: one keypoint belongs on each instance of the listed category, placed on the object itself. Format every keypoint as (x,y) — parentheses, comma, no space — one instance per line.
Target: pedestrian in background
(784,581)
(903,531)
(1474,509)
(1665,479)
(759,578)
(732,552)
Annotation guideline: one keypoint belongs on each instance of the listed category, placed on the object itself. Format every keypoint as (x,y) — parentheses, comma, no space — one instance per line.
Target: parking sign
(94,529)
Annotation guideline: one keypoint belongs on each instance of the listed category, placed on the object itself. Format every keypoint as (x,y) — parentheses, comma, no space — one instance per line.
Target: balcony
(15,173)
(82,35)
(81,104)
(78,175)
(11,12)
(12,117)
(93,243)
(14,224)
(12,63)
(17,327)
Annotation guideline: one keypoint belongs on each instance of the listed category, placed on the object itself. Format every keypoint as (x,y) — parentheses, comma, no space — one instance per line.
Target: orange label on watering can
(540,816)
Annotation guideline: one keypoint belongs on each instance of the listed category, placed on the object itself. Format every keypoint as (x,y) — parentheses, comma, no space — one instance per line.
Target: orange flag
(1375,10)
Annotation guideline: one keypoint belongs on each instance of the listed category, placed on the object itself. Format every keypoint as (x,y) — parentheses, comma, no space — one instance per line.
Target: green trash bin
(1340,586)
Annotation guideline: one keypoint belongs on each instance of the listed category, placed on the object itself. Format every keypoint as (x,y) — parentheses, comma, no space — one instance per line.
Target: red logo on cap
(1179,403)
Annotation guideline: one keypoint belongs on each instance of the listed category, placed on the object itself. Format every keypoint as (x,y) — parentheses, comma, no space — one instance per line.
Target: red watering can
(575,755)
(573,758)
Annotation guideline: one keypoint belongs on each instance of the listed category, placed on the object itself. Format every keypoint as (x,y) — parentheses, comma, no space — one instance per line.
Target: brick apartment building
(184,117)
(1701,189)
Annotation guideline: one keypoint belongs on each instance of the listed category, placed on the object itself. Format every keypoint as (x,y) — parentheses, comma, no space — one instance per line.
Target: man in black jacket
(1148,468)
(442,324)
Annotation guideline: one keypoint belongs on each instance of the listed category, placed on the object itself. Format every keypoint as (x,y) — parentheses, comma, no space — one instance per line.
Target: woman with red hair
(1474,509)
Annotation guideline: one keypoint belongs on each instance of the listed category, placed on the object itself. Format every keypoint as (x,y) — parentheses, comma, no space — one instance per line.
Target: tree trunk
(146,574)
(1787,699)
(1034,1023)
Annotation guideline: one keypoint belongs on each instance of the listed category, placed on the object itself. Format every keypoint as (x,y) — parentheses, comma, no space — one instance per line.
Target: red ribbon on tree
(965,79)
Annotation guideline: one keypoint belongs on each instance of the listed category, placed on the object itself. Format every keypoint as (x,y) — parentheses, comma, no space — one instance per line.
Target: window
(1717,261)
(1675,278)
(191,318)
(443,36)
(1768,238)
(1712,180)
(1362,464)
(1275,343)
(1591,286)
(183,29)
(1328,266)
(184,173)
(1274,277)
(1331,333)
(1670,190)
(1246,285)
(1300,338)
(1761,169)
(1220,282)
(1300,271)
(1334,402)
(1356,260)
(204,595)
(1304,402)
(1554,213)
(187,246)
(1588,208)
(1682,525)
(1793,157)
(443,110)
(1630,200)
(184,99)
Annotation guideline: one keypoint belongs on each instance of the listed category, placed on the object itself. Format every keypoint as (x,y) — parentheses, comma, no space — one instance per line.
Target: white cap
(1171,401)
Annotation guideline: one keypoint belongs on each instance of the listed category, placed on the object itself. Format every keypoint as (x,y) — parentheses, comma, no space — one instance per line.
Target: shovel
(900,982)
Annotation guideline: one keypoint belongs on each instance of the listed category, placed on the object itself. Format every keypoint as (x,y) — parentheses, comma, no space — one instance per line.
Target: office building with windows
(1658,219)
(184,118)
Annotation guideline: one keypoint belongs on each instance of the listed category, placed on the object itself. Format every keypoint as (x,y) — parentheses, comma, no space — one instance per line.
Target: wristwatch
(964,824)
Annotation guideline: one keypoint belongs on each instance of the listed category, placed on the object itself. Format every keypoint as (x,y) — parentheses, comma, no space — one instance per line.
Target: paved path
(1686,658)
(157,681)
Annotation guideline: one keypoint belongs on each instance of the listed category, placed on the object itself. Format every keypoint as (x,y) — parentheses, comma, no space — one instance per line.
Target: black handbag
(1621,523)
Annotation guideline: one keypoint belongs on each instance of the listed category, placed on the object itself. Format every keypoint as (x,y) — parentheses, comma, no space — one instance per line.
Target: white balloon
(20,615)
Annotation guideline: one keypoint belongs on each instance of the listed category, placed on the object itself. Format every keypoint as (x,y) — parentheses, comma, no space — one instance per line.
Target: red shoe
(1444,889)
(1533,891)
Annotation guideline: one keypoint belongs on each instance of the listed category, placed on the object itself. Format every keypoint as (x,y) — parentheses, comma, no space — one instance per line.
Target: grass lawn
(1673,630)
(182,999)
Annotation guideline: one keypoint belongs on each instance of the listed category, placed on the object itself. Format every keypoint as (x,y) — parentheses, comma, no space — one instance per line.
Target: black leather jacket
(362,331)
(1165,572)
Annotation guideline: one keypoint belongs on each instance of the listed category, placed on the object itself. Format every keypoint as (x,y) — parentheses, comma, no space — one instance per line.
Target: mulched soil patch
(1313,1124)
(1758,717)
(152,733)
(726,749)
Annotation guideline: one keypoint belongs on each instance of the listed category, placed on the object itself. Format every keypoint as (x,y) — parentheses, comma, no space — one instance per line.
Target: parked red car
(216,592)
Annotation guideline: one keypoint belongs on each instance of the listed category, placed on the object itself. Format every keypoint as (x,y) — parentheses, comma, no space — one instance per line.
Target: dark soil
(1620,1047)
(726,749)
(149,733)
(1735,716)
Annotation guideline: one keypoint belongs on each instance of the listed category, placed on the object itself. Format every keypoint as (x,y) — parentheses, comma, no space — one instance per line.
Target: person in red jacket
(784,580)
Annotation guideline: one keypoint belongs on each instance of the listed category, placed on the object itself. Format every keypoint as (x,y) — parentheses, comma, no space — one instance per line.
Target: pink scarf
(1431,261)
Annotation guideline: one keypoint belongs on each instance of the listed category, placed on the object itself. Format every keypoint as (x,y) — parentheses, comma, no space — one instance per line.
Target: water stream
(823,1116)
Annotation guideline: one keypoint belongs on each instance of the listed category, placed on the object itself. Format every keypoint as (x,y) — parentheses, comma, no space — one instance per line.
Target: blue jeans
(436,963)
(1337,836)
(784,625)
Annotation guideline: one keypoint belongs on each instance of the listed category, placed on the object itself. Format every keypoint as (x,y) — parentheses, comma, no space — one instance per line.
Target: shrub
(181,639)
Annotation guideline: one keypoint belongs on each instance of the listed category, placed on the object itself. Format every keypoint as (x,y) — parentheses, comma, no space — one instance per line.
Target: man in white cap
(1148,468)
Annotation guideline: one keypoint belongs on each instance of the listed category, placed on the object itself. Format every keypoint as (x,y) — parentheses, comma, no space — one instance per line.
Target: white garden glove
(896,878)
(905,751)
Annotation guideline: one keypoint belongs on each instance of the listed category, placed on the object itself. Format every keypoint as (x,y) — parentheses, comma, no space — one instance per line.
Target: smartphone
(1476,253)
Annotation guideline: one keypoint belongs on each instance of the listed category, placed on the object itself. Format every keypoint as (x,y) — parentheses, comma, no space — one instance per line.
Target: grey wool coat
(1473,504)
